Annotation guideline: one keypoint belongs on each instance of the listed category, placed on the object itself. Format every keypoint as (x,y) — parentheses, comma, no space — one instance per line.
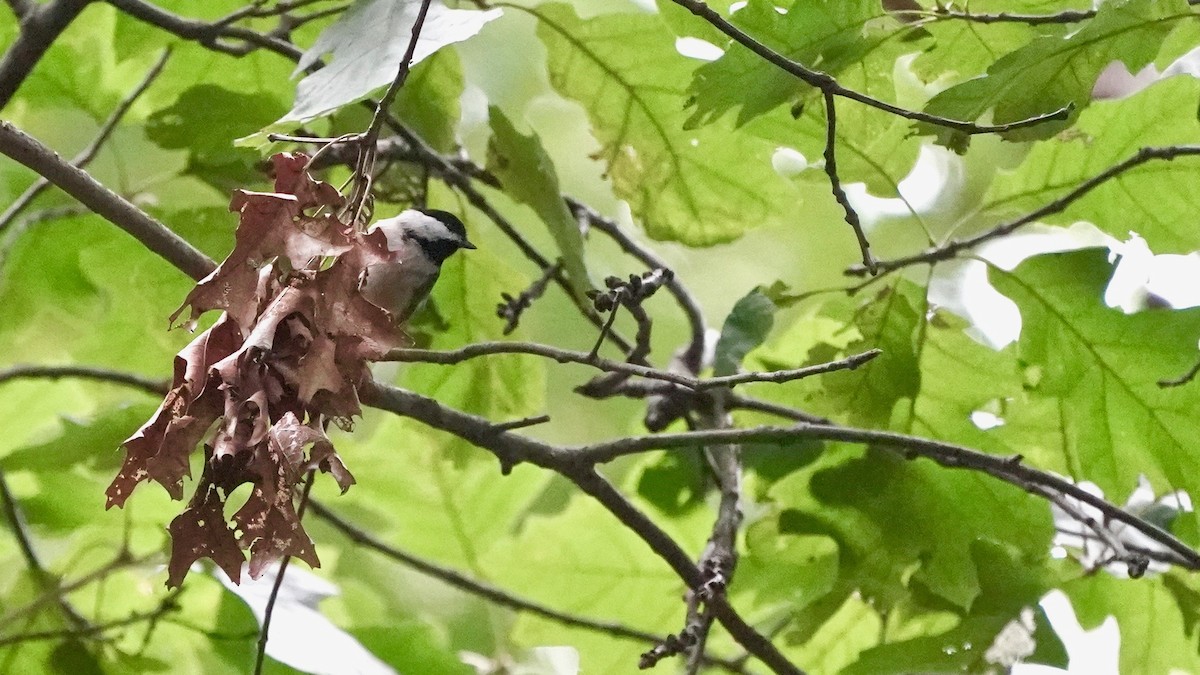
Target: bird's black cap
(451,222)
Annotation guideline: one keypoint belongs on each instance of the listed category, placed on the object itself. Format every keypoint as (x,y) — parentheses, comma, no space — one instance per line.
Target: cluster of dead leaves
(259,387)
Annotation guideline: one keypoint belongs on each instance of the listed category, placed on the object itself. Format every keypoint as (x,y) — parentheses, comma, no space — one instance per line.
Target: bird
(415,243)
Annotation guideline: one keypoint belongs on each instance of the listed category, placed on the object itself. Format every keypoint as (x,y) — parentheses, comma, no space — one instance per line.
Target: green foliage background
(862,561)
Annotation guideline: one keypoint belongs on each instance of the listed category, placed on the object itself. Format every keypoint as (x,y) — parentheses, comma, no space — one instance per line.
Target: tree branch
(485,590)
(106,203)
(166,606)
(511,449)
(86,155)
(827,84)
(471,351)
(940,11)
(694,351)
(148,385)
(12,512)
(835,182)
(19,7)
(953,248)
(40,27)
(207,34)
(1007,469)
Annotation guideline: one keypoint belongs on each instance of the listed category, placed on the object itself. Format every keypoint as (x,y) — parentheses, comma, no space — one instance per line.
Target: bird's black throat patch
(438,249)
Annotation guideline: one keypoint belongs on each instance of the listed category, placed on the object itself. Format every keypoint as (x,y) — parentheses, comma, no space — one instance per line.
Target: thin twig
(485,590)
(106,203)
(835,182)
(687,302)
(1183,379)
(148,385)
(86,155)
(365,169)
(939,11)
(946,454)
(283,565)
(953,248)
(56,594)
(12,512)
(478,349)
(41,24)
(168,605)
(205,33)
(523,423)
(511,308)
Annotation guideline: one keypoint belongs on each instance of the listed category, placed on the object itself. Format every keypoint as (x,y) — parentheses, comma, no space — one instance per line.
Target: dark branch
(19,7)
(953,248)
(40,27)
(485,590)
(835,182)
(511,449)
(1007,469)
(148,385)
(567,356)
(106,203)
(687,302)
(283,565)
(86,155)
(207,34)
(827,84)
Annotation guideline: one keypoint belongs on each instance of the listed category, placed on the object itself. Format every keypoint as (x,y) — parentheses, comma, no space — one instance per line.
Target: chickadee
(417,242)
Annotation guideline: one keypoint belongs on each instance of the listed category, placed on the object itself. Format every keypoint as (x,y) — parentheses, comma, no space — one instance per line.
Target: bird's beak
(467,244)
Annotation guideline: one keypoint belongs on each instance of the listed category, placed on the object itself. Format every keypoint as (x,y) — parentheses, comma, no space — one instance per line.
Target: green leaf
(1157,631)
(429,102)
(586,548)
(745,328)
(1052,72)
(828,36)
(894,321)
(205,120)
(93,443)
(699,187)
(1008,585)
(366,45)
(1094,371)
(528,176)
(1157,200)
(902,515)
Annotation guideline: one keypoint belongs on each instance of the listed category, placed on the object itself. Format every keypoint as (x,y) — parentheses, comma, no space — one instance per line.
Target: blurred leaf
(73,657)
(584,562)
(891,516)
(699,187)
(366,45)
(745,328)
(205,120)
(527,174)
(429,101)
(675,482)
